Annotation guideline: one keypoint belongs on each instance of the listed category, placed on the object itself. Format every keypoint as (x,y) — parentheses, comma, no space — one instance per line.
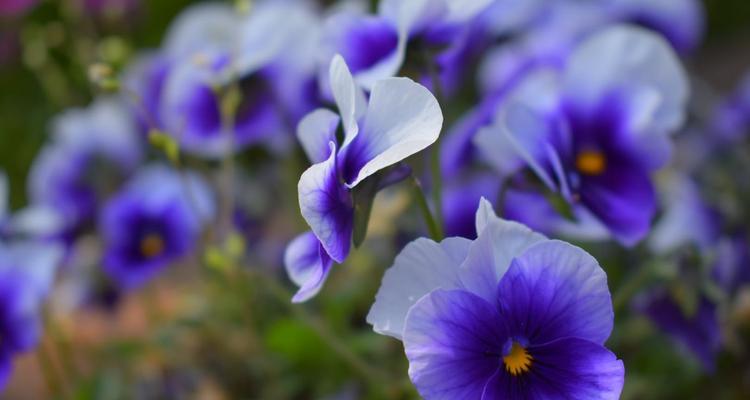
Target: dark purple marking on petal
(453,340)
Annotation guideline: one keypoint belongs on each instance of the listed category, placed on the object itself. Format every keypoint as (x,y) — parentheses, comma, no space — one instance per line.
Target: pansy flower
(92,151)
(400,119)
(511,315)
(29,257)
(155,220)
(212,52)
(375,46)
(596,132)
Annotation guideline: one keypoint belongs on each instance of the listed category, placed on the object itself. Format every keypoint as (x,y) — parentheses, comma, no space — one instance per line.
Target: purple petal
(421,267)
(453,340)
(569,368)
(623,199)
(307,264)
(698,333)
(556,290)
(326,205)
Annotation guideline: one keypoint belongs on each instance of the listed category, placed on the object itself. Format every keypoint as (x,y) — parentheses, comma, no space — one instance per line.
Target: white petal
(412,15)
(485,215)
(464,10)
(628,56)
(315,131)
(421,267)
(490,255)
(402,119)
(349,98)
(200,27)
(295,31)
(36,221)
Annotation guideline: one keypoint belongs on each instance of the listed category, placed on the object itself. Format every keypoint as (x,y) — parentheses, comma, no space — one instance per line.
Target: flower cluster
(523,136)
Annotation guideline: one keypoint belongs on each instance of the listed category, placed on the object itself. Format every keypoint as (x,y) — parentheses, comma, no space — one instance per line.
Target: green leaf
(363,196)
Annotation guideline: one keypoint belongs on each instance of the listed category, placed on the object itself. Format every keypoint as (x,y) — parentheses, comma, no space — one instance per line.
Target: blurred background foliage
(249,340)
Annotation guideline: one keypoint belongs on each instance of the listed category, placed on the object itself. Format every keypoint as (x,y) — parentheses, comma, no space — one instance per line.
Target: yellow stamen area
(152,245)
(518,360)
(591,162)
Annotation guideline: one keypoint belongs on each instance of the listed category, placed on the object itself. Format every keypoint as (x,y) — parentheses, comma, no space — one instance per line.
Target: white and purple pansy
(93,149)
(400,119)
(375,46)
(155,220)
(511,315)
(595,132)
(212,52)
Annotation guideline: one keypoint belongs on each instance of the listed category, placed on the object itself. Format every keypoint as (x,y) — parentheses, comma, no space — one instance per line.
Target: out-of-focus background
(167,340)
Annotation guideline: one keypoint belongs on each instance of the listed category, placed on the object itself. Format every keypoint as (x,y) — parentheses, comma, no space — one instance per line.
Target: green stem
(437,177)
(52,377)
(435,229)
(372,376)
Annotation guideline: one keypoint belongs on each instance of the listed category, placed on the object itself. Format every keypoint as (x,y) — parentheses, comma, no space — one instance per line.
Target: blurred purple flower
(27,271)
(375,46)
(208,49)
(155,220)
(596,133)
(698,333)
(511,314)
(93,149)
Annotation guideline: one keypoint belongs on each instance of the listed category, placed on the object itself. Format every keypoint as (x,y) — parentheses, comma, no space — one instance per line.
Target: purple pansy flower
(155,220)
(375,46)
(400,119)
(511,314)
(210,48)
(92,150)
(26,274)
(595,133)
(697,332)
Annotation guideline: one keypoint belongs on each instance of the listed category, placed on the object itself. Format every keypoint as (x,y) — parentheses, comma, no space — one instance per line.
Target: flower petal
(403,118)
(202,26)
(315,131)
(307,265)
(421,267)
(491,254)
(327,207)
(623,198)
(569,368)
(453,340)
(628,56)
(349,98)
(556,290)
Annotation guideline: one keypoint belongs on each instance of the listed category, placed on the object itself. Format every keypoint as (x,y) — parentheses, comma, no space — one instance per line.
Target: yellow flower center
(591,162)
(152,245)
(518,360)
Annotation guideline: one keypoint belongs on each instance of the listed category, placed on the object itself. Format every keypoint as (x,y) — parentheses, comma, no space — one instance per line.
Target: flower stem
(435,229)
(372,376)
(437,177)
